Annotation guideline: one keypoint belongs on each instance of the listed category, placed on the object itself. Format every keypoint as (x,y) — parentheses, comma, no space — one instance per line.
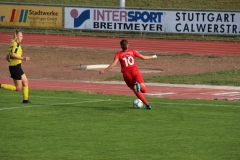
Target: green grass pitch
(79,125)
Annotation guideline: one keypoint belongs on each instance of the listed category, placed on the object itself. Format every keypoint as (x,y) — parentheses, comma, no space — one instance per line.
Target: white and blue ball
(137,103)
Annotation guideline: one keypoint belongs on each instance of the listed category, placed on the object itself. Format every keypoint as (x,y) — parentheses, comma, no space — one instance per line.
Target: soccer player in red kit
(131,74)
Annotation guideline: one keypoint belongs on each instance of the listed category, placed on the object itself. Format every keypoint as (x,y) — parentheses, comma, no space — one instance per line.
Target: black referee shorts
(16,72)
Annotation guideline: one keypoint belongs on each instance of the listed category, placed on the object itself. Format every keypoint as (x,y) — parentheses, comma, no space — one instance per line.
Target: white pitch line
(46,97)
(103,100)
(193,104)
(187,104)
(42,105)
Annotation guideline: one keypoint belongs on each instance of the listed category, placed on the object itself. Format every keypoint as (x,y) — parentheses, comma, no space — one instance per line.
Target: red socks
(140,95)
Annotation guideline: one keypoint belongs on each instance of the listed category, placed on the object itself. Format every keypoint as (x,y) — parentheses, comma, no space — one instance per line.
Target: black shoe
(25,101)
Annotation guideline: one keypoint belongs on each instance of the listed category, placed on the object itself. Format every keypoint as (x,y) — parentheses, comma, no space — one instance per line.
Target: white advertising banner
(196,22)
(203,22)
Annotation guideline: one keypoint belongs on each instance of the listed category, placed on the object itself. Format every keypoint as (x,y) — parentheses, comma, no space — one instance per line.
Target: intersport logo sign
(192,22)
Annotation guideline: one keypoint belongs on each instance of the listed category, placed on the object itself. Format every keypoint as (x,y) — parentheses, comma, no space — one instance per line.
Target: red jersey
(127,58)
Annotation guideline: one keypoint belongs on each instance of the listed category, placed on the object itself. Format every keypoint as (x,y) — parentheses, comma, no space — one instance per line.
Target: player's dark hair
(15,34)
(124,44)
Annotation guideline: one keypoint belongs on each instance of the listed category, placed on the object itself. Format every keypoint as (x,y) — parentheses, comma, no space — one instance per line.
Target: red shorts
(131,76)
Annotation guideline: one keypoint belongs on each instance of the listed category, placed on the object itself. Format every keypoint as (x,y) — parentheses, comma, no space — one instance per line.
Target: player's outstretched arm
(147,57)
(14,55)
(113,64)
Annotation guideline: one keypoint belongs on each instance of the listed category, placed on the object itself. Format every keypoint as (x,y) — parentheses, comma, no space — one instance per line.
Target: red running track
(149,45)
(155,90)
(153,45)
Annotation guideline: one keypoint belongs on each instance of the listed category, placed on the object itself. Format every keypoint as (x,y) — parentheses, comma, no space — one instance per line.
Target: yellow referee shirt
(14,48)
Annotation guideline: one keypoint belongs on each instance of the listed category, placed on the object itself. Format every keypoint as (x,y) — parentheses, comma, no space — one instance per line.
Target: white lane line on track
(87,88)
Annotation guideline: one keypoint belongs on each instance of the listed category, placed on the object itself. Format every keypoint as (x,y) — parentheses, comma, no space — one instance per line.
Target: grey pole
(122,3)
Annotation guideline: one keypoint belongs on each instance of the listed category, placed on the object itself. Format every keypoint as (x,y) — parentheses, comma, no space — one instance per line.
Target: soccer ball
(137,103)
